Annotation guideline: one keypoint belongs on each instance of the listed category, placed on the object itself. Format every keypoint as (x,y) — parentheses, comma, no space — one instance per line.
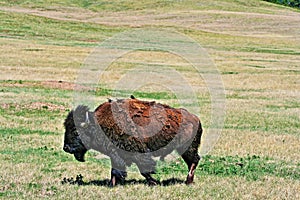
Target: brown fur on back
(142,126)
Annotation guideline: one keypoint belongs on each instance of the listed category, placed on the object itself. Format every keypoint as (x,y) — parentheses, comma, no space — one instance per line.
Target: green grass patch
(247,94)
(10,194)
(51,31)
(49,156)
(138,94)
(273,122)
(251,167)
(24,131)
(37,90)
(271,51)
(132,5)
(118,5)
(284,106)
(154,95)
(31,114)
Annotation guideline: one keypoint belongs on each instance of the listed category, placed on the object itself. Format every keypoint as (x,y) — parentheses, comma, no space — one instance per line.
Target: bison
(134,131)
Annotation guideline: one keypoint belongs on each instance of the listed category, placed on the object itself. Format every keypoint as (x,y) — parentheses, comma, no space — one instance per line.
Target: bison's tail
(199,133)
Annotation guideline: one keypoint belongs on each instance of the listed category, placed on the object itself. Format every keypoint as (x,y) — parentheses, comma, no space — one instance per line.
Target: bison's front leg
(118,173)
(117,176)
(150,180)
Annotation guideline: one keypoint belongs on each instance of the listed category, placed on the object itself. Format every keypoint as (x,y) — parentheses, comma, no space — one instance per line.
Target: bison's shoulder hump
(81,109)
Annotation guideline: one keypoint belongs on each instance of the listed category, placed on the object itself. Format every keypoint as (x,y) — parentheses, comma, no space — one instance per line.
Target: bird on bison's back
(134,131)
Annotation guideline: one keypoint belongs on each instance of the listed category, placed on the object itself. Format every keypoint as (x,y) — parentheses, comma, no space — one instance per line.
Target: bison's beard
(80,155)
(80,152)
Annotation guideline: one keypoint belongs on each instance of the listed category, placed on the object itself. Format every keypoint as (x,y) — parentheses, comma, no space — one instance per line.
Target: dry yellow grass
(28,60)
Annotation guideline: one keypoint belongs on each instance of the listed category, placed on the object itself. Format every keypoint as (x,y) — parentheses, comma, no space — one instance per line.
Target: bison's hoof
(153,182)
(112,181)
(189,181)
(119,174)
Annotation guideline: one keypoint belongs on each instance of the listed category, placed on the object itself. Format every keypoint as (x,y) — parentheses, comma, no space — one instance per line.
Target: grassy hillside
(254,44)
(130,5)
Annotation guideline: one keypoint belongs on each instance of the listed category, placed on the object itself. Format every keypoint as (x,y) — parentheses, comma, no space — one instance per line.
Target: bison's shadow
(105,182)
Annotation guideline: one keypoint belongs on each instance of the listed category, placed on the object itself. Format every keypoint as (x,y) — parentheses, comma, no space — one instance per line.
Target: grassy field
(254,44)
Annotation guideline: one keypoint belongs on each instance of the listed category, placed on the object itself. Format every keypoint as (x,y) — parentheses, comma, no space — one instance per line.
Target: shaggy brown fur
(131,130)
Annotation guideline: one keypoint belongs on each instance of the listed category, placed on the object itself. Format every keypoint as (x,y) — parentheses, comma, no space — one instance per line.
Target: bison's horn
(87,121)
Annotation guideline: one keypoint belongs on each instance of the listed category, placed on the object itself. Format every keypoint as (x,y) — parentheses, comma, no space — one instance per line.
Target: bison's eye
(76,133)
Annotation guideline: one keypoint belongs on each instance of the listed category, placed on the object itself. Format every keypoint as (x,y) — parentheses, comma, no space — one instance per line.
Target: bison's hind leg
(191,157)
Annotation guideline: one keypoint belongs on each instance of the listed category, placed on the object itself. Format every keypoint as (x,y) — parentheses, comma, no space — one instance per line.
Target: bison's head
(76,125)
